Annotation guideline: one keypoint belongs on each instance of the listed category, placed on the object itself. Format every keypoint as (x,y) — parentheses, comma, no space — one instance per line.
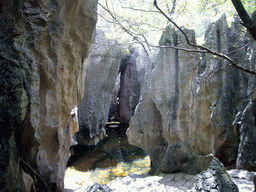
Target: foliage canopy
(142,18)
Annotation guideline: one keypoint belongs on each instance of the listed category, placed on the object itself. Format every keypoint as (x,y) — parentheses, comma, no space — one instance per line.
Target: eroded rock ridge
(43,48)
(196,104)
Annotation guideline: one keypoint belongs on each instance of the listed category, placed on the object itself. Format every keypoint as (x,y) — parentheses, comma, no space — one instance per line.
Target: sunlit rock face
(43,48)
(162,111)
(233,101)
(193,103)
(100,77)
(220,95)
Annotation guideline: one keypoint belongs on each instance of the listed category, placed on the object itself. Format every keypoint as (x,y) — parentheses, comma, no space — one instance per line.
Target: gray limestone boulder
(215,179)
(98,188)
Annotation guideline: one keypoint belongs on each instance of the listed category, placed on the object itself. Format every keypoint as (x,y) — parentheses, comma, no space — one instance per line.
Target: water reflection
(104,176)
(114,158)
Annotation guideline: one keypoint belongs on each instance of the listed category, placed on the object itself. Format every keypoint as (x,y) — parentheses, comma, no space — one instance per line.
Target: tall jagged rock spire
(43,46)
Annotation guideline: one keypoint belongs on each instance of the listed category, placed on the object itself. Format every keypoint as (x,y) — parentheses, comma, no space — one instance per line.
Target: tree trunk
(247,21)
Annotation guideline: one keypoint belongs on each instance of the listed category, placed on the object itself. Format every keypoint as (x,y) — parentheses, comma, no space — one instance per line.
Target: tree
(247,20)
(130,23)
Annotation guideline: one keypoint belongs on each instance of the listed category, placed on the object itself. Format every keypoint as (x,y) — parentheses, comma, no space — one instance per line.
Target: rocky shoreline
(171,182)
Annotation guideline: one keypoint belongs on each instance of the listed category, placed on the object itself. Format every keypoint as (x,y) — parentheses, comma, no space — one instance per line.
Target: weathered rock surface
(129,91)
(246,154)
(215,178)
(155,127)
(43,46)
(193,107)
(170,182)
(98,187)
(243,179)
(221,93)
(165,182)
(128,88)
(100,77)
(247,129)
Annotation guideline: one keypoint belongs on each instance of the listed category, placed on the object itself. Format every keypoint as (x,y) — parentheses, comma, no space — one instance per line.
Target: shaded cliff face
(193,103)
(246,118)
(129,91)
(100,77)
(43,46)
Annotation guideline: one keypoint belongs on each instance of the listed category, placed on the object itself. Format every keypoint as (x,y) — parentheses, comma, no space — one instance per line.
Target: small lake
(115,157)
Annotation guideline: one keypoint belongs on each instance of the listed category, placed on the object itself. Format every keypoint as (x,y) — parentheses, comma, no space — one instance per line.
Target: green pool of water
(75,178)
(116,158)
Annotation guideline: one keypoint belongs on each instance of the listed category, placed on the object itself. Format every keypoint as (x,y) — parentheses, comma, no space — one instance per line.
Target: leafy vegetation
(144,22)
(142,18)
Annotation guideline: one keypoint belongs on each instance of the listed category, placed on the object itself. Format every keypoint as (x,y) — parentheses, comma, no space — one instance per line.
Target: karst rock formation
(190,104)
(43,48)
(196,104)
(100,76)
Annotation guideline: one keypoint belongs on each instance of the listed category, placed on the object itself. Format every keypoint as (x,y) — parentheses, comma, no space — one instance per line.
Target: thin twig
(200,49)
(142,10)
(232,63)
(134,35)
(178,48)
(126,30)
(239,49)
(145,39)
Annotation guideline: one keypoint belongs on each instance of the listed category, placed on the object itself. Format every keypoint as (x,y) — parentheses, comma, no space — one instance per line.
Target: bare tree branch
(212,6)
(232,63)
(135,36)
(173,7)
(104,17)
(199,49)
(127,31)
(142,10)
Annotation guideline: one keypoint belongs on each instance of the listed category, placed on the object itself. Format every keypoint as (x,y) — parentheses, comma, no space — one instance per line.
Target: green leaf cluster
(141,18)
